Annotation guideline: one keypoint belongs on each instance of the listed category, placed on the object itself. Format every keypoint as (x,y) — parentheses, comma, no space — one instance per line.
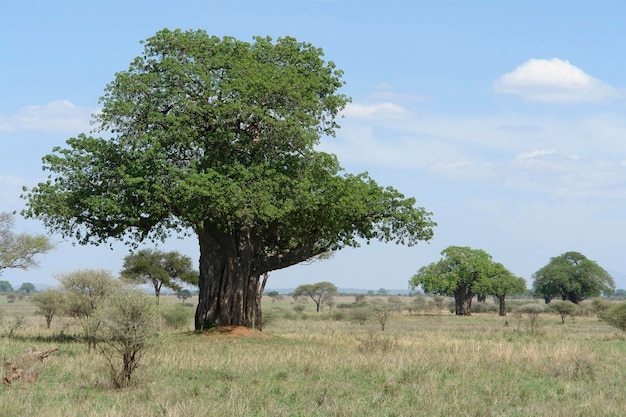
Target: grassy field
(312,364)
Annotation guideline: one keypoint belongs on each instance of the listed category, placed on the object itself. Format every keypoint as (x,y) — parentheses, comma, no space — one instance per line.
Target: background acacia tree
(20,250)
(27,288)
(83,291)
(159,269)
(318,292)
(564,309)
(572,277)
(456,274)
(216,137)
(49,303)
(6,287)
(183,295)
(382,309)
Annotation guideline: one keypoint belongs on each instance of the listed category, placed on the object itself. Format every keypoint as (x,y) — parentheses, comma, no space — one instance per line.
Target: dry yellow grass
(311,365)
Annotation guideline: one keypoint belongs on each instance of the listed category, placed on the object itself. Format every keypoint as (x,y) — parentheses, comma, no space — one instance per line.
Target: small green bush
(484,308)
(599,306)
(616,316)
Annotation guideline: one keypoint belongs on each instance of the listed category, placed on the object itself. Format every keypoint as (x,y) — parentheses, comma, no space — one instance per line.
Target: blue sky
(507,120)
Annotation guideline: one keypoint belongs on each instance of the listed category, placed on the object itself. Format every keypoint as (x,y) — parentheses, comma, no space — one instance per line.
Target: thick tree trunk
(463,301)
(231,265)
(502,311)
(228,292)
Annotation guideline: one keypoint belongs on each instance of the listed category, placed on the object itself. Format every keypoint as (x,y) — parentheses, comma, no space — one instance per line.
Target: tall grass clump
(176,316)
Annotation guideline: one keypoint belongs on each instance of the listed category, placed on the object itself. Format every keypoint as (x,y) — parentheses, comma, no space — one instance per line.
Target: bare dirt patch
(236,331)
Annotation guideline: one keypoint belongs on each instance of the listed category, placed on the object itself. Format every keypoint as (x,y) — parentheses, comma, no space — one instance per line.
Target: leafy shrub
(616,316)
(359,315)
(128,324)
(564,309)
(599,306)
(484,308)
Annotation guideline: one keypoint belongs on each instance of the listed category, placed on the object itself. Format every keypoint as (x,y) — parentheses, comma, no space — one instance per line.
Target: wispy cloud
(573,158)
(381,110)
(56,116)
(556,81)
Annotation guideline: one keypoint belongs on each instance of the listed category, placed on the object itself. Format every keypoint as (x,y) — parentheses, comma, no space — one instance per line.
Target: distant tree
(159,269)
(456,274)
(383,309)
(128,324)
(317,292)
(5,286)
(19,251)
(532,310)
(500,282)
(564,309)
(572,277)
(183,295)
(27,288)
(621,293)
(382,291)
(49,303)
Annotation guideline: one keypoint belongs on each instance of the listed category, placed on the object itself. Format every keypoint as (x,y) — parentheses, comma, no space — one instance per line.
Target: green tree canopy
(564,309)
(318,292)
(19,250)
(27,288)
(462,272)
(500,282)
(49,303)
(5,286)
(159,269)
(83,292)
(572,277)
(216,137)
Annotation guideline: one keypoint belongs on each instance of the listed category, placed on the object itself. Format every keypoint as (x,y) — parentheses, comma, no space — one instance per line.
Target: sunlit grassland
(310,364)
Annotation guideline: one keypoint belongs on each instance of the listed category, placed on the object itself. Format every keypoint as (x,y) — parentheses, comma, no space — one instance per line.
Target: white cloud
(581,158)
(382,110)
(555,81)
(56,116)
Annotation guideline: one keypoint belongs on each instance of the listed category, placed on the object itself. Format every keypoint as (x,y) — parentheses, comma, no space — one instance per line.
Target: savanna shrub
(600,306)
(484,308)
(128,324)
(616,316)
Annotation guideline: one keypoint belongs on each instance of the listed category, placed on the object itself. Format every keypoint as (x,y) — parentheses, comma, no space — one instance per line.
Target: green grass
(313,365)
